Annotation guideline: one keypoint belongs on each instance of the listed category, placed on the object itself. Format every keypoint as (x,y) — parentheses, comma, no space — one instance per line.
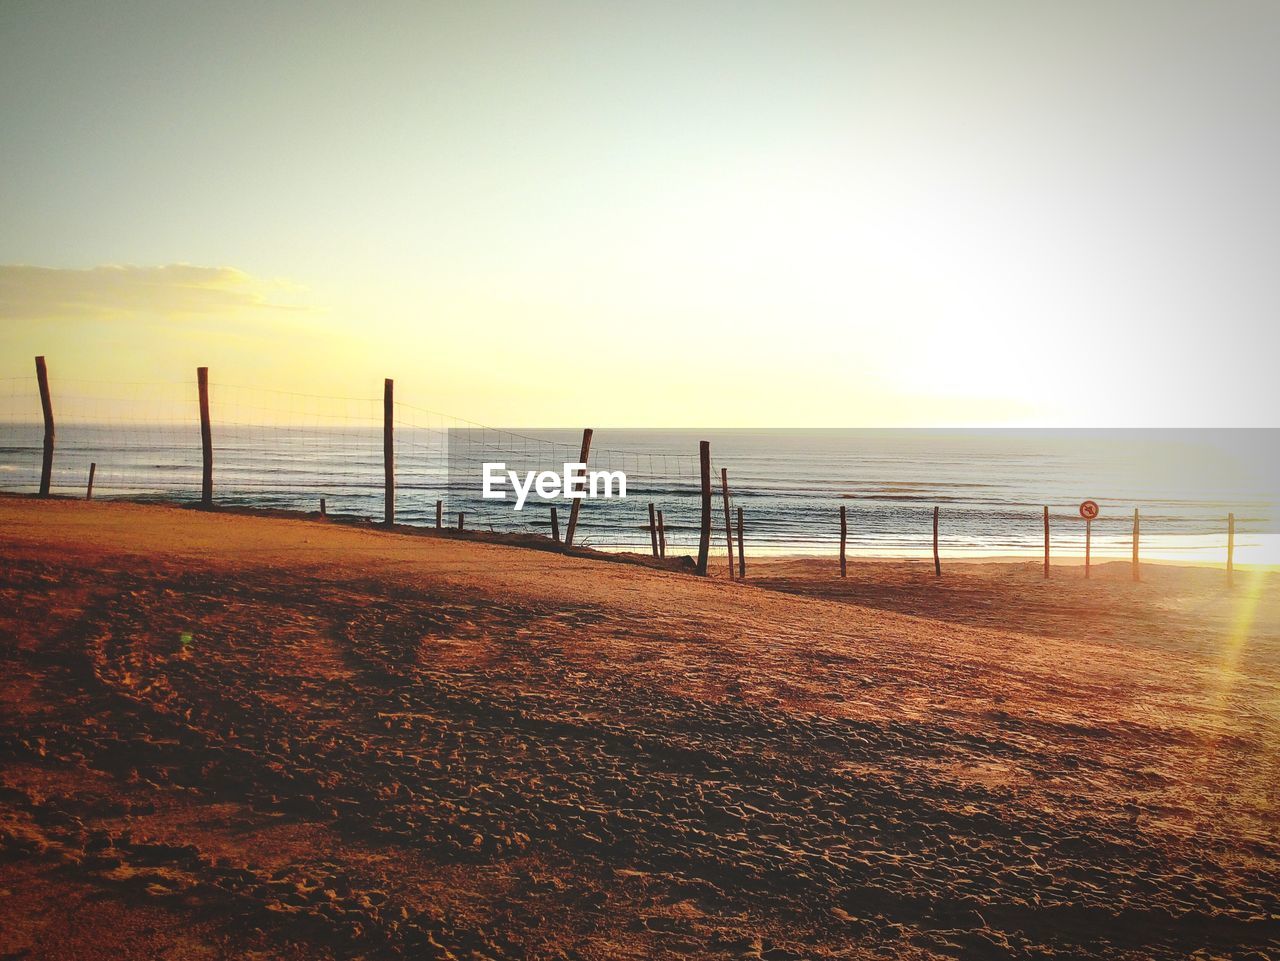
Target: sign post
(1088,510)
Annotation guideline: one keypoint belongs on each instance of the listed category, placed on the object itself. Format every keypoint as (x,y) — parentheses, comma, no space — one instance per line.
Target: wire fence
(288,450)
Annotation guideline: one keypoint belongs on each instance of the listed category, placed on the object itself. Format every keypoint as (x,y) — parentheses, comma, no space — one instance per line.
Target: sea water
(990,485)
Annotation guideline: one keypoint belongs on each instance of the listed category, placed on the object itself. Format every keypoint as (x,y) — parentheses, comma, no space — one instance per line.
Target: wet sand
(228,736)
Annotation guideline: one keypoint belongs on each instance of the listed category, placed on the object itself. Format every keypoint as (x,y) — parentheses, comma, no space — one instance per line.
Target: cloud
(130,292)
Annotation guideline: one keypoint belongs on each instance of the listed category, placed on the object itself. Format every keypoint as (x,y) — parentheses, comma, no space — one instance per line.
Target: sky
(655,214)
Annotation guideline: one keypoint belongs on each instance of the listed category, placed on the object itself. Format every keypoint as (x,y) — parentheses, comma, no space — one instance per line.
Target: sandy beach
(225,736)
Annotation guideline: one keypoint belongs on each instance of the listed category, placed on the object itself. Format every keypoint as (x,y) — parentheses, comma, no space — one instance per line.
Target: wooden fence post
(937,560)
(742,558)
(388,452)
(844,532)
(323,511)
(1046,542)
(461,516)
(93,467)
(704,534)
(1231,548)
(728,525)
(46,407)
(577,501)
(439,514)
(1088,544)
(662,536)
(555,526)
(206,438)
(1137,576)
(653,529)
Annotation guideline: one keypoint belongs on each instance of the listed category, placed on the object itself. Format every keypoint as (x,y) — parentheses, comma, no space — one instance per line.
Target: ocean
(990,485)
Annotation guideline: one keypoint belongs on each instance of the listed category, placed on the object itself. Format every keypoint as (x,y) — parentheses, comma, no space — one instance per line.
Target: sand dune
(226,736)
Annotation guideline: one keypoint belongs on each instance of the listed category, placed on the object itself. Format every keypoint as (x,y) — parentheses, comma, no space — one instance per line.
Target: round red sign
(1089,510)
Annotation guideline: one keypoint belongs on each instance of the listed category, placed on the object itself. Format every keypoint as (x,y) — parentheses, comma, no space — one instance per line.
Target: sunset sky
(720,214)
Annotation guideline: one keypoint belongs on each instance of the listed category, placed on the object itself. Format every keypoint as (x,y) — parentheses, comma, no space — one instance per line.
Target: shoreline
(759,556)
